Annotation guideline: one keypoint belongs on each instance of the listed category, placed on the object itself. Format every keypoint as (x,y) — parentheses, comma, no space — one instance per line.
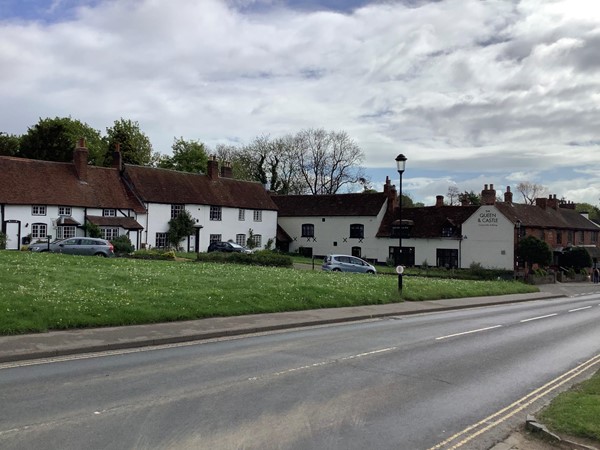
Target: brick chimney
(226,170)
(439,201)
(541,202)
(508,196)
(80,160)
(552,202)
(488,196)
(117,158)
(213,168)
(390,191)
(567,205)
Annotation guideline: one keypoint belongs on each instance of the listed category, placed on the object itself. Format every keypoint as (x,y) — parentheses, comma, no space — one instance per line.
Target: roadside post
(400,272)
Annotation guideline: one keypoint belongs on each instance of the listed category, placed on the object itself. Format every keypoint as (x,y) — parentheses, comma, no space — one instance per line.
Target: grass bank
(50,291)
(576,412)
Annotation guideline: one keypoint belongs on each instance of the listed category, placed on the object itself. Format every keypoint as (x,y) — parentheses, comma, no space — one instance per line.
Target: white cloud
(506,91)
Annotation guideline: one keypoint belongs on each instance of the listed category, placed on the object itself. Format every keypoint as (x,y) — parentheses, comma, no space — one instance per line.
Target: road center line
(580,309)
(467,332)
(537,318)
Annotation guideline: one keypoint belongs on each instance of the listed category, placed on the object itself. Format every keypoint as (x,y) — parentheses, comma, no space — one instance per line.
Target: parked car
(228,247)
(347,263)
(76,246)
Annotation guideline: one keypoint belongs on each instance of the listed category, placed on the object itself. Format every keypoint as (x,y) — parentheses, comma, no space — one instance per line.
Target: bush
(2,241)
(153,254)
(122,245)
(260,258)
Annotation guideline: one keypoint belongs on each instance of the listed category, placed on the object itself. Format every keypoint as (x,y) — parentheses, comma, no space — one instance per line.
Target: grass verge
(52,291)
(576,412)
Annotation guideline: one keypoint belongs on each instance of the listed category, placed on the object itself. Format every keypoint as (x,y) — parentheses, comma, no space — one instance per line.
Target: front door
(13,234)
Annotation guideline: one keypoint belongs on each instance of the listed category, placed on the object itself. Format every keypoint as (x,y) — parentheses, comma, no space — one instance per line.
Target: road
(415,382)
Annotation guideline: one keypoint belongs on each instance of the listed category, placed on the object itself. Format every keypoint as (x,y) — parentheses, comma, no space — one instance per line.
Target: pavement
(69,342)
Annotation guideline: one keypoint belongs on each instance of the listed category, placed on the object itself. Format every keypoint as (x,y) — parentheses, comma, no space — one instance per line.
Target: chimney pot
(439,201)
(80,160)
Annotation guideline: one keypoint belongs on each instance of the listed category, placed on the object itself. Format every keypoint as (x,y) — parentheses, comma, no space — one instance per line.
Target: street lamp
(518,228)
(401,165)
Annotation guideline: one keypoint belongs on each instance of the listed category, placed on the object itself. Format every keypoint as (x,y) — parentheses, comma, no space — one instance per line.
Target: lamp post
(401,165)
(518,228)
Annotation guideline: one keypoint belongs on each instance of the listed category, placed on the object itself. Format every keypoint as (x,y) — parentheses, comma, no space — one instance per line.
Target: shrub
(122,245)
(92,230)
(2,241)
(260,258)
(576,257)
(153,254)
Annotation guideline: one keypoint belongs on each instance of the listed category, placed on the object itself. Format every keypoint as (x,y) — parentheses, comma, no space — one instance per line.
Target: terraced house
(42,198)
(368,225)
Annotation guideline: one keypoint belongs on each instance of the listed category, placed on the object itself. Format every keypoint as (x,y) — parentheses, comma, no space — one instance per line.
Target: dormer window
(447,231)
(109,212)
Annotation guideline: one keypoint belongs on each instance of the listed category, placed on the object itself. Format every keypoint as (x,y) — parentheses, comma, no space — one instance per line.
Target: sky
(472,92)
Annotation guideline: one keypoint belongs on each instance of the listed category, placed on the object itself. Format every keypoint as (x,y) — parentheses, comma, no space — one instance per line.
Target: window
(356,252)
(176,210)
(215,213)
(594,237)
(242,215)
(581,237)
(215,238)
(542,235)
(357,231)
(257,238)
(559,237)
(38,210)
(109,233)
(569,237)
(308,230)
(39,231)
(447,257)
(406,258)
(64,210)
(161,240)
(257,215)
(447,231)
(65,232)
(109,212)
(240,239)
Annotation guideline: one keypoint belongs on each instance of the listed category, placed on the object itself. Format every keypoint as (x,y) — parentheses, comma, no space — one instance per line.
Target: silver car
(76,246)
(347,263)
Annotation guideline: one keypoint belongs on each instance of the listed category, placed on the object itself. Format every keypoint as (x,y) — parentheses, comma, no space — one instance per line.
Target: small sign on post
(400,271)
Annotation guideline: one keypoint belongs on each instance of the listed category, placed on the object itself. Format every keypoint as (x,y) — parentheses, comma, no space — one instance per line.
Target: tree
(180,227)
(453,195)
(134,144)
(534,251)
(188,156)
(531,191)
(328,160)
(593,211)
(9,144)
(55,139)
(576,258)
(470,198)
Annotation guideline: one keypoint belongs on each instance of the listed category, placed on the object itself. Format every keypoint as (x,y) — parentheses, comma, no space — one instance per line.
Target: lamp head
(401,162)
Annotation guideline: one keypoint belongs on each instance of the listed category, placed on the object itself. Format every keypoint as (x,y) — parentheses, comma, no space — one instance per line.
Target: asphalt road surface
(434,381)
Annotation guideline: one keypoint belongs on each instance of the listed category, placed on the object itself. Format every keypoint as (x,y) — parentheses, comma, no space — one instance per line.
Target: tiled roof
(282,235)
(428,221)
(169,186)
(128,223)
(330,205)
(536,216)
(33,182)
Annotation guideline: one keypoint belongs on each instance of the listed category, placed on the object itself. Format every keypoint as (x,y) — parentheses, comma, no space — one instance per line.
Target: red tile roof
(169,186)
(33,182)
(536,216)
(330,205)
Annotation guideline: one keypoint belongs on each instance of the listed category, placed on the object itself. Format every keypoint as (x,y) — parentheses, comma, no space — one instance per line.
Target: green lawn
(48,291)
(577,411)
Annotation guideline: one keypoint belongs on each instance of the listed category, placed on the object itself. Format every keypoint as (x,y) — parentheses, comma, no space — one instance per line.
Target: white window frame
(240,239)
(257,240)
(39,231)
(109,212)
(66,232)
(38,210)
(216,213)
(176,209)
(242,215)
(161,240)
(65,211)
(257,215)
(109,233)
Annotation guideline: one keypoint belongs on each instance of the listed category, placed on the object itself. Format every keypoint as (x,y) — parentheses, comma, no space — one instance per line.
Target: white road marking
(579,309)
(467,332)
(537,318)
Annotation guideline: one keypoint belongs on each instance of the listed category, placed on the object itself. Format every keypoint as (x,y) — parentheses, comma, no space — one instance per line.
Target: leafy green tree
(471,198)
(2,240)
(122,244)
(9,144)
(534,251)
(92,230)
(55,139)
(180,227)
(593,211)
(576,258)
(188,156)
(134,144)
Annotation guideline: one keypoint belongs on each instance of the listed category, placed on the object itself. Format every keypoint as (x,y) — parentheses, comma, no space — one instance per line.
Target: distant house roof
(168,186)
(34,182)
(127,223)
(330,205)
(536,216)
(428,221)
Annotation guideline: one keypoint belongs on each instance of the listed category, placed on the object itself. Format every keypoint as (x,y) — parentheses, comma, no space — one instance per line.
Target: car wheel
(370,272)
(335,270)
(100,254)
